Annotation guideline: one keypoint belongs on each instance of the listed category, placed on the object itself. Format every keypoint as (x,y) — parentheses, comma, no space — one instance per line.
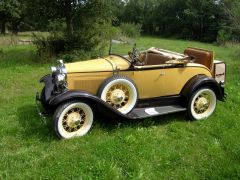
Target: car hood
(109,63)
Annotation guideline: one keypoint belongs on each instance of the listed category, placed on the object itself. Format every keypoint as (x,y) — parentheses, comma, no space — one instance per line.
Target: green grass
(22,38)
(166,147)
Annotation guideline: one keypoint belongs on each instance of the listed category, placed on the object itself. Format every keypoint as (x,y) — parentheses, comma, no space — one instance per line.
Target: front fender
(95,101)
(200,81)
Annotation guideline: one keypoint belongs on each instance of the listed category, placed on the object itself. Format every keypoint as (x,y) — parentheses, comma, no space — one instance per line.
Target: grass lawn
(165,147)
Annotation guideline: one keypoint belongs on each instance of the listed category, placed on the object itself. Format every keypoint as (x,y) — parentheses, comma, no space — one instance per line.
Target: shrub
(223,37)
(86,42)
(131,30)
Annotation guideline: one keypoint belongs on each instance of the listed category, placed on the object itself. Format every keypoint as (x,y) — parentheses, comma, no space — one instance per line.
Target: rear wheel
(202,104)
(120,92)
(73,119)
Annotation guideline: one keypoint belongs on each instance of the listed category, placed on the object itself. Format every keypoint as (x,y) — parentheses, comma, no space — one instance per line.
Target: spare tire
(120,92)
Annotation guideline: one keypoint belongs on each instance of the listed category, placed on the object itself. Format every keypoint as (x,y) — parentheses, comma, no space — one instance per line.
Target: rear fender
(202,81)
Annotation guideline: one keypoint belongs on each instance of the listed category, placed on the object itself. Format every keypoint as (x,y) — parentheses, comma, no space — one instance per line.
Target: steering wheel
(134,55)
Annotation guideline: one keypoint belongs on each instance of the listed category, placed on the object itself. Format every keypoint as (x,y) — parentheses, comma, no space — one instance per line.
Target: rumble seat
(201,56)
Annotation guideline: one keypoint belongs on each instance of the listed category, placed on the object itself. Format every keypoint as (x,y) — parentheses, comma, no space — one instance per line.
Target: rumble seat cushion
(200,56)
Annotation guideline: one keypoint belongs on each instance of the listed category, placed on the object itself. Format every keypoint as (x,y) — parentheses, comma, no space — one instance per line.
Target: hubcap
(74,120)
(202,103)
(117,96)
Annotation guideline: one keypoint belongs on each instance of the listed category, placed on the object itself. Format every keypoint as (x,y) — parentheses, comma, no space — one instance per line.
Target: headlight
(53,69)
(61,77)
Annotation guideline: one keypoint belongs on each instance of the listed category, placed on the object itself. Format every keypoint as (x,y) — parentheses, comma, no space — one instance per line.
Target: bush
(84,43)
(223,37)
(131,30)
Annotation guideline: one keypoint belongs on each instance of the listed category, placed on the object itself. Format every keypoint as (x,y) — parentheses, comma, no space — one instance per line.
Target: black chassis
(161,105)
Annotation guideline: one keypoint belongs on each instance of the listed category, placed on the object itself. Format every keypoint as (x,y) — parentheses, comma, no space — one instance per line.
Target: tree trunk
(3,27)
(67,4)
(15,26)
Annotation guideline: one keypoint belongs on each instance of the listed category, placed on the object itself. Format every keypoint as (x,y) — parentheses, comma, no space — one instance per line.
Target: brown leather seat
(154,59)
(201,56)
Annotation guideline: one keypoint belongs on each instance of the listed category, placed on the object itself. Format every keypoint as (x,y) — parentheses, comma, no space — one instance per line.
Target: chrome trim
(62,67)
(222,84)
(61,77)
(53,69)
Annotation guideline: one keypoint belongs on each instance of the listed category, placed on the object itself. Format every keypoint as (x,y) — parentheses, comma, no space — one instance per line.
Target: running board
(139,113)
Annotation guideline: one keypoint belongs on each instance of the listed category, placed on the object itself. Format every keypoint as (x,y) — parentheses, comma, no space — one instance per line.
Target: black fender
(93,100)
(49,87)
(199,81)
(45,78)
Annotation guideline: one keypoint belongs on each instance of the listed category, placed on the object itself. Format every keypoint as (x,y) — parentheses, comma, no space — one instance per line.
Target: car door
(149,81)
(158,81)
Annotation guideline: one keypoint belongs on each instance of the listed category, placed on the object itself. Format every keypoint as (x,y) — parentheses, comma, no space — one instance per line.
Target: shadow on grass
(110,125)
(34,126)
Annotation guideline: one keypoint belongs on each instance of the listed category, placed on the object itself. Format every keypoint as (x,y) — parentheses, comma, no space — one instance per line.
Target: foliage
(223,37)
(166,147)
(232,11)
(131,30)
(200,20)
(89,29)
(189,19)
(10,10)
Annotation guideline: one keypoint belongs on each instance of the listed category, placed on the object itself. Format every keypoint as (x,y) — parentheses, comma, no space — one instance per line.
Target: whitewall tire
(73,119)
(120,92)
(202,104)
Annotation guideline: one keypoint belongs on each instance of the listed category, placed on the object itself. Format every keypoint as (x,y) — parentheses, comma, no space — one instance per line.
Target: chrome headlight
(61,77)
(53,69)
(62,67)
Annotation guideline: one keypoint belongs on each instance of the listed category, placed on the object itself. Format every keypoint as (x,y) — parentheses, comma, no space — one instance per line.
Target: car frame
(139,85)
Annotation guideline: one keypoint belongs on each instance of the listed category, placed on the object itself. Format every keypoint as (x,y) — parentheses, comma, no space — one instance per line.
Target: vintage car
(139,85)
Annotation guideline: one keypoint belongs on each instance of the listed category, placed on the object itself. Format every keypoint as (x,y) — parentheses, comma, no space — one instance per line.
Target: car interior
(155,56)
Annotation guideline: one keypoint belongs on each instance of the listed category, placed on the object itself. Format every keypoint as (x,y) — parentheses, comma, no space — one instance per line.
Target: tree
(12,12)
(232,9)
(8,10)
(74,25)
(203,17)
(139,12)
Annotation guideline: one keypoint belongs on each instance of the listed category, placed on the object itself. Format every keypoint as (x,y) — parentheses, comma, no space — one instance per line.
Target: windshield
(122,48)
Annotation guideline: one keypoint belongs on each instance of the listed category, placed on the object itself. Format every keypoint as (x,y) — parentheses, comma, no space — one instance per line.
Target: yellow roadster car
(139,85)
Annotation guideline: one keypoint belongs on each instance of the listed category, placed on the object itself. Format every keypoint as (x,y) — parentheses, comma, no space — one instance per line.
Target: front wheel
(202,104)
(73,119)
(119,92)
